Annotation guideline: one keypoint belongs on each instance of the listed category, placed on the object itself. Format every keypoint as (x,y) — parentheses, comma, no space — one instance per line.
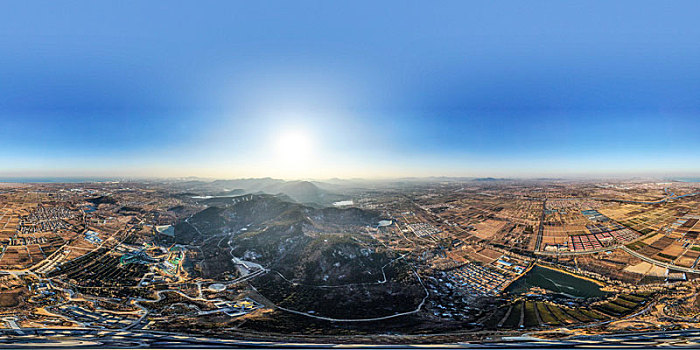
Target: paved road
(370,319)
(540,229)
(586,252)
(671,196)
(659,263)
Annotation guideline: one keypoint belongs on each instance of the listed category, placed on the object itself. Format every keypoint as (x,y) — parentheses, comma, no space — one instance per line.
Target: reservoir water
(556,282)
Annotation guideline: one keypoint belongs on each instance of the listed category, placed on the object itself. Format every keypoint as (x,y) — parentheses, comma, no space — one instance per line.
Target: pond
(556,282)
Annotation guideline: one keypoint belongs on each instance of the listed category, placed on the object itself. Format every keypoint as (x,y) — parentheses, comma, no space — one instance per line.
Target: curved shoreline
(599,283)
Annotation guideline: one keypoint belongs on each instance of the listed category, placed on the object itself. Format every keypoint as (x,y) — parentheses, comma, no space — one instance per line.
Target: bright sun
(294,146)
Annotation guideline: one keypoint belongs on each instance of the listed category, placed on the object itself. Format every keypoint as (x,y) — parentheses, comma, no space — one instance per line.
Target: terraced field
(533,314)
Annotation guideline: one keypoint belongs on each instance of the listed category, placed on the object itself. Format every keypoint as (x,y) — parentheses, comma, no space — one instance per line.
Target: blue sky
(207,88)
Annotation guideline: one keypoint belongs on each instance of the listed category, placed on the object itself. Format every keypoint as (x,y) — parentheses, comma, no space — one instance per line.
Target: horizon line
(87,179)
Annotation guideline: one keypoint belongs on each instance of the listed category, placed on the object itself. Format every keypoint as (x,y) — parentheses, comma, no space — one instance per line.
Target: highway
(659,263)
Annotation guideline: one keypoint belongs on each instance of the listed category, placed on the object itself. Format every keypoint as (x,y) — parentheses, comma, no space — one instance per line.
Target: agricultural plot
(622,305)
(515,316)
(15,257)
(100,269)
(689,258)
(536,314)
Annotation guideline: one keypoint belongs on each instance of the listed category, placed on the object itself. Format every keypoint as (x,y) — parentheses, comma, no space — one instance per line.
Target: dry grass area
(485,255)
(457,256)
(657,271)
(642,268)
(685,261)
(487,229)
(12,298)
(688,258)
(12,185)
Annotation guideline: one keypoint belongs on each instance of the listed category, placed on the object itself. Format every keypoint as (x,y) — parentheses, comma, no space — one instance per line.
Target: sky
(320,89)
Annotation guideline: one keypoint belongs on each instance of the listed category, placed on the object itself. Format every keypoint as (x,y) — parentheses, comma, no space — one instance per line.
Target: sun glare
(294,146)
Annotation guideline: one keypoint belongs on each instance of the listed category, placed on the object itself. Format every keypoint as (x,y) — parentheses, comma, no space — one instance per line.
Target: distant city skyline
(320,90)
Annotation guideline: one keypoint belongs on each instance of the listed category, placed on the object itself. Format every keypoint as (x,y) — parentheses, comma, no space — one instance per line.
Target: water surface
(556,282)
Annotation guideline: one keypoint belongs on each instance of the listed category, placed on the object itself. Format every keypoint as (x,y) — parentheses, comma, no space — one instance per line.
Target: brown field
(688,259)
(12,298)
(488,228)
(674,249)
(15,257)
